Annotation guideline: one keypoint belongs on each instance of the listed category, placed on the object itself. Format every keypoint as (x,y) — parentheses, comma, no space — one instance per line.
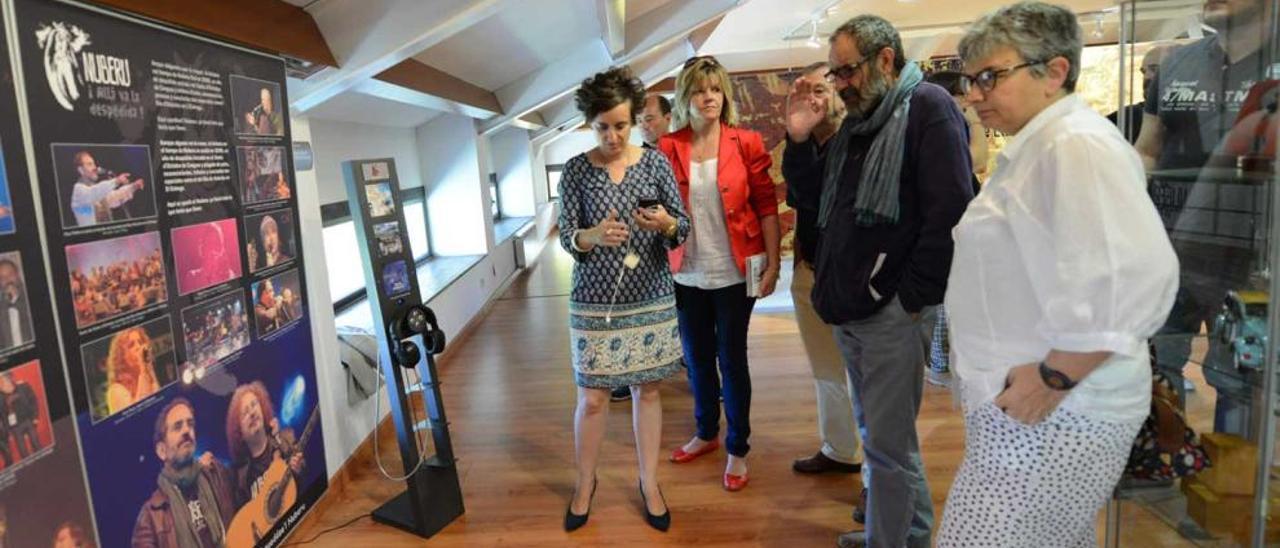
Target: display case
(1200,78)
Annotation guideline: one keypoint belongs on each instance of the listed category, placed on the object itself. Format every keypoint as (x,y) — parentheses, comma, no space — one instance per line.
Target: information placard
(163,168)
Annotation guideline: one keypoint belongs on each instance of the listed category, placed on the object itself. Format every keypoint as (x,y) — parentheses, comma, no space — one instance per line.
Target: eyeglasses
(986,79)
(843,72)
(709,59)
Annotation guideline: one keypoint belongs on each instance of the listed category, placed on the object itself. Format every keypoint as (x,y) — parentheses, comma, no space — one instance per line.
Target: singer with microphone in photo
(131,369)
(620,214)
(99,193)
(264,119)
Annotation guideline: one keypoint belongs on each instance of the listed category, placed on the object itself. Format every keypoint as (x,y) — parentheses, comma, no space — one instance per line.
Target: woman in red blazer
(722,173)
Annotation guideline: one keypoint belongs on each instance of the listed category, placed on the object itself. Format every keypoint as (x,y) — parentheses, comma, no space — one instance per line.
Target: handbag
(1165,448)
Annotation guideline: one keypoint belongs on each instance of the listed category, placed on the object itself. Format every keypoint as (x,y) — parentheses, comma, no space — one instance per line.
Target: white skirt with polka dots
(1033,486)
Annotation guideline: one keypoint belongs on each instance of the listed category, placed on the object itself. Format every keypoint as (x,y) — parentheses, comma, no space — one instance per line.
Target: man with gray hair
(895,179)
(840,441)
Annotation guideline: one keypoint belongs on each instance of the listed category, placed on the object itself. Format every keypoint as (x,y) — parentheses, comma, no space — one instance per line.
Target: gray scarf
(168,482)
(877,200)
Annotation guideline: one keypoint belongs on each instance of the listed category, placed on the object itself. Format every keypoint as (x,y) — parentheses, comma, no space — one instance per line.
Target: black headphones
(415,319)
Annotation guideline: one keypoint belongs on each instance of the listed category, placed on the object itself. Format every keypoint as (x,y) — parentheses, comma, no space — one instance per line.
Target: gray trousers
(885,356)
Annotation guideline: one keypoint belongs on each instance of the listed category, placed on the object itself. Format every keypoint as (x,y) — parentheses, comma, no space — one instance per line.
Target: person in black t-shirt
(1191,105)
(255,439)
(1133,113)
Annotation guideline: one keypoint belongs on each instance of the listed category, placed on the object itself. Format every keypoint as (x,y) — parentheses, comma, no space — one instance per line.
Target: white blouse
(1062,250)
(708,256)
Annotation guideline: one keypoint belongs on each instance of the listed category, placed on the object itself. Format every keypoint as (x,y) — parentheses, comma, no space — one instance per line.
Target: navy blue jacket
(860,269)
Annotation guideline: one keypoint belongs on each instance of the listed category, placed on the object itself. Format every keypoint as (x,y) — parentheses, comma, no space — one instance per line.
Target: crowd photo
(116,276)
(215,329)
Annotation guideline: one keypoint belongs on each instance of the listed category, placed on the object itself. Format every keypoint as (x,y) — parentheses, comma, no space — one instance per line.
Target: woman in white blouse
(1061,271)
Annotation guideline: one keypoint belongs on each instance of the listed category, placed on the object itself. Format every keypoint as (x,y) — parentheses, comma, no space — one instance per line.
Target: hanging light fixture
(813,41)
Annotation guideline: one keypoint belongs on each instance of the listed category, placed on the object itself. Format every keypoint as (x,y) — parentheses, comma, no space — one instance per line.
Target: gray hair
(815,66)
(873,33)
(1036,30)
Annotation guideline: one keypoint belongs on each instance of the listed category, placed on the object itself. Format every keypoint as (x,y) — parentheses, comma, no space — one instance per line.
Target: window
(553,180)
(346,277)
(495,201)
(415,217)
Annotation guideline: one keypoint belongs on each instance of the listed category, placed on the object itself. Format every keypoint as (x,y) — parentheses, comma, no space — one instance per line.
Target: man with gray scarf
(192,503)
(894,181)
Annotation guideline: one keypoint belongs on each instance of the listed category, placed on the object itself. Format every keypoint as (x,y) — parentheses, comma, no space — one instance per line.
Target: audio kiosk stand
(410,338)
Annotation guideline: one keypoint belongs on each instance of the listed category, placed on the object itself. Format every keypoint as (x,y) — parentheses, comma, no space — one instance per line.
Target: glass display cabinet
(1202,85)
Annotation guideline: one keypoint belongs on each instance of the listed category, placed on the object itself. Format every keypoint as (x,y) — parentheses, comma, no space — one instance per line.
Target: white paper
(755,274)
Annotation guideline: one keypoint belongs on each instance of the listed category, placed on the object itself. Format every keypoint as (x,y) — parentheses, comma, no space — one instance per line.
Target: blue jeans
(713,329)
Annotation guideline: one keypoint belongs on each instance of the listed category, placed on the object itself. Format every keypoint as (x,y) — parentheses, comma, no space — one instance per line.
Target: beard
(862,101)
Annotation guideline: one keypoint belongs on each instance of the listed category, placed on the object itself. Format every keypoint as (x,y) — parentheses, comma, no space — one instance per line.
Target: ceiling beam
(700,35)
(646,34)
(423,78)
(270,25)
(371,36)
(613,25)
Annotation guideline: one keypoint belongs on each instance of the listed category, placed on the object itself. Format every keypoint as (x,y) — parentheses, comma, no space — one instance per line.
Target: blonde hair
(696,72)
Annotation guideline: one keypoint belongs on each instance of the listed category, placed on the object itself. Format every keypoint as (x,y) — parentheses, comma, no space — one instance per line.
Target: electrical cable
(316,537)
(377,414)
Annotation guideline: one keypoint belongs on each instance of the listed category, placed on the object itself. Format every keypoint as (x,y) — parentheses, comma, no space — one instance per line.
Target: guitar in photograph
(278,493)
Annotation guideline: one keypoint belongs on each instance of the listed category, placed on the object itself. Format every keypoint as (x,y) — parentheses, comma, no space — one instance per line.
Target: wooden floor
(509,394)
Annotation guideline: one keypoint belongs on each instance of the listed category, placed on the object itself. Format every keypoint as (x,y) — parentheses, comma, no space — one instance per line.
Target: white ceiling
(515,42)
(531,53)
(357,107)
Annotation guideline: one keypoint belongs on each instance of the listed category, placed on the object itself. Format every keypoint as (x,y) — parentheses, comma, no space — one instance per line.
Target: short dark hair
(606,90)
(664,104)
(873,33)
(948,80)
(162,424)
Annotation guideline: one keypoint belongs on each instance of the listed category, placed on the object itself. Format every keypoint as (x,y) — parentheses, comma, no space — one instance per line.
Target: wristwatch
(1055,379)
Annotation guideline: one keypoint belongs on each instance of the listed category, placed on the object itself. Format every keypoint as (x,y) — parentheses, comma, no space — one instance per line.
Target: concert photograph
(395,277)
(381,203)
(15,312)
(262,176)
(26,430)
(277,302)
(269,239)
(388,236)
(100,184)
(128,366)
(257,107)
(215,329)
(116,276)
(6,203)
(206,254)
(375,171)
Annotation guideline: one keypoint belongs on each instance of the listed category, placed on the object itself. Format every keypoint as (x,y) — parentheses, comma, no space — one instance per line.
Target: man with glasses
(895,179)
(1193,104)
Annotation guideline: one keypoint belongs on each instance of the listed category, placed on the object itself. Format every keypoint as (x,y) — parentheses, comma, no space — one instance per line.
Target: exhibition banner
(163,169)
(43,501)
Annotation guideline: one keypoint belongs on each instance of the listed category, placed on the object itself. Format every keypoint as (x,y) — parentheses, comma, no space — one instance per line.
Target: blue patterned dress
(636,341)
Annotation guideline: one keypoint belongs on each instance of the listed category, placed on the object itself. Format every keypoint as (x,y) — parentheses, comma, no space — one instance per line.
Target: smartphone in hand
(649,203)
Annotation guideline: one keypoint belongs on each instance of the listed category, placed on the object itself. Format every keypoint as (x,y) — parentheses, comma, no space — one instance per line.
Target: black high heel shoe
(572,521)
(661,523)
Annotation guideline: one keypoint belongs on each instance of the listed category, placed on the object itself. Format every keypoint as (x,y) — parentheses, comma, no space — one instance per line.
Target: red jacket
(746,190)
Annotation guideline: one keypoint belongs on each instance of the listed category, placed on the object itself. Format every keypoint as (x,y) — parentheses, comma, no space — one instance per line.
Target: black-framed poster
(43,501)
(163,168)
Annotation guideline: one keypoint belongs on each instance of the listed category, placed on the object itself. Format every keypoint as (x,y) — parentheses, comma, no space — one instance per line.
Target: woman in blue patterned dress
(619,214)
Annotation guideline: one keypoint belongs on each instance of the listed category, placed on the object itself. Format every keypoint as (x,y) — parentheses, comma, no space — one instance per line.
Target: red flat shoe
(679,456)
(734,483)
